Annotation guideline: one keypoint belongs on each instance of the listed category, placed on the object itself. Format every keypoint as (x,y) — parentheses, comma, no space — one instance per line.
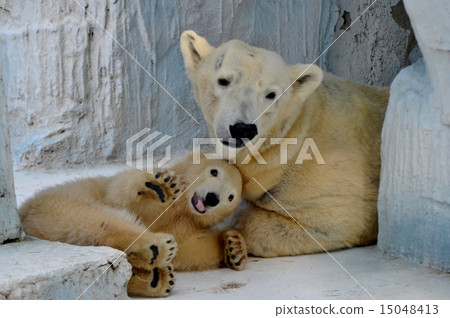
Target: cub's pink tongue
(200,206)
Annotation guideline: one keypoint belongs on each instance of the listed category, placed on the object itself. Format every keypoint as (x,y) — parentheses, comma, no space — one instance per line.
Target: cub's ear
(307,78)
(194,48)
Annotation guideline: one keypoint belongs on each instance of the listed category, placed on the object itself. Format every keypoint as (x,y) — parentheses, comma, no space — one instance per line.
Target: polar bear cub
(162,221)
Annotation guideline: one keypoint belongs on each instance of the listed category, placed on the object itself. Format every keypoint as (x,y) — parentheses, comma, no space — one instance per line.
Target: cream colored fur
(117,211)
(307,207)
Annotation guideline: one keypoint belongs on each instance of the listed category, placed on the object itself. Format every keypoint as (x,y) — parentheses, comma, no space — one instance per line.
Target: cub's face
(216,192)
(245,92)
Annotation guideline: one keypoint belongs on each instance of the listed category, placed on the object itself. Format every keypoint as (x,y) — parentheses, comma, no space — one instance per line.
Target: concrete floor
(359,273)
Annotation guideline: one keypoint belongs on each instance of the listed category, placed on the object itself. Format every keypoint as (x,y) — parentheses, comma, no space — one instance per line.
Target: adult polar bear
(295,208)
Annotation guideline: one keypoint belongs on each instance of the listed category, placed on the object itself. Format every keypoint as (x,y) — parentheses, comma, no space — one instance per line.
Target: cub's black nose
(241,130)
(211,199)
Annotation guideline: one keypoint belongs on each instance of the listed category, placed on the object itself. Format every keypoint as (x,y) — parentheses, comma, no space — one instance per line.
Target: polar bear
(120,211)
(259,105)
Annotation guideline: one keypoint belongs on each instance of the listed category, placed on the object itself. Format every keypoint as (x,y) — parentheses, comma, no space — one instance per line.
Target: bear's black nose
(242,130)
(211,199)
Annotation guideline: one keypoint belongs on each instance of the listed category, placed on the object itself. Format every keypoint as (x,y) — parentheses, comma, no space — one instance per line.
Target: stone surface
(379,44)
(10,227)
(317,277)
(414,200)
(75,95)
(38,269)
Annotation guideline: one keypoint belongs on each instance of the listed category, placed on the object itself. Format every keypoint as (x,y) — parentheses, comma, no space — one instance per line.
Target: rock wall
(75,95)
(414,200)
(10,227)
(379,44)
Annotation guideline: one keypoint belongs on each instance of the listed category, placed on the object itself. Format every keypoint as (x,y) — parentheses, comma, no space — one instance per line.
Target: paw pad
(155,252)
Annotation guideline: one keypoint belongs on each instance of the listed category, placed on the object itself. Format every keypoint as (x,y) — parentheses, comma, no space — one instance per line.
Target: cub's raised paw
(157,282)
(167,185)
(235,256)
(152,250)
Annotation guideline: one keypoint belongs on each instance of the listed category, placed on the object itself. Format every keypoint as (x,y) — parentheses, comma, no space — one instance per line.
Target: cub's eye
(271,95)
(214,172)
(230,198)
(223,82)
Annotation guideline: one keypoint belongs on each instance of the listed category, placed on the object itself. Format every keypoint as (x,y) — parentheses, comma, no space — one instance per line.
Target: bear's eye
(230,198)
(271,95)
(223,82)
(214,172)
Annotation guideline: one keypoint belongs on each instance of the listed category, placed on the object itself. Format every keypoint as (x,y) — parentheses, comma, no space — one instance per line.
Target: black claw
(171,282)
(172,248)
(170,254)
(168,259)
(231,249)
(230,242)
(158,175)
(166,179)
(238,264)
(169,241)
(233,256)
(168,291)
(173,185)
(177,190)
(171,275)
(169,268)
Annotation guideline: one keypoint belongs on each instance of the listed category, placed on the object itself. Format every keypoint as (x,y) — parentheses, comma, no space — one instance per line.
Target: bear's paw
(152,250)
(167,185)
(235,250)
(157,282)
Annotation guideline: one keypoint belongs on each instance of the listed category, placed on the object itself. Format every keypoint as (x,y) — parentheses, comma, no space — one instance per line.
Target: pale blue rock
(36,269)
(414,198)
(10,227)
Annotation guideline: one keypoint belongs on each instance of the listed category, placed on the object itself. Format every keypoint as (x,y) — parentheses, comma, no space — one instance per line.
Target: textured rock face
(414,201)
(75,95)
(49,270)
(10,227)
(379,44)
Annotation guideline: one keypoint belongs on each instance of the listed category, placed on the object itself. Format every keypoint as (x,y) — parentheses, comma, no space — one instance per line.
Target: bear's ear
(306,78)
(194,48)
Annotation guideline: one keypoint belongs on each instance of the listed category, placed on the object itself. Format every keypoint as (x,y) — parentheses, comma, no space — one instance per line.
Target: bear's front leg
(211,249)
(272,234)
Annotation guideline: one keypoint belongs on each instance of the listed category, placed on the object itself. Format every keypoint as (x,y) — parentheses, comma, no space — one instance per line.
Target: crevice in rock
(347,20)
(400,17)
